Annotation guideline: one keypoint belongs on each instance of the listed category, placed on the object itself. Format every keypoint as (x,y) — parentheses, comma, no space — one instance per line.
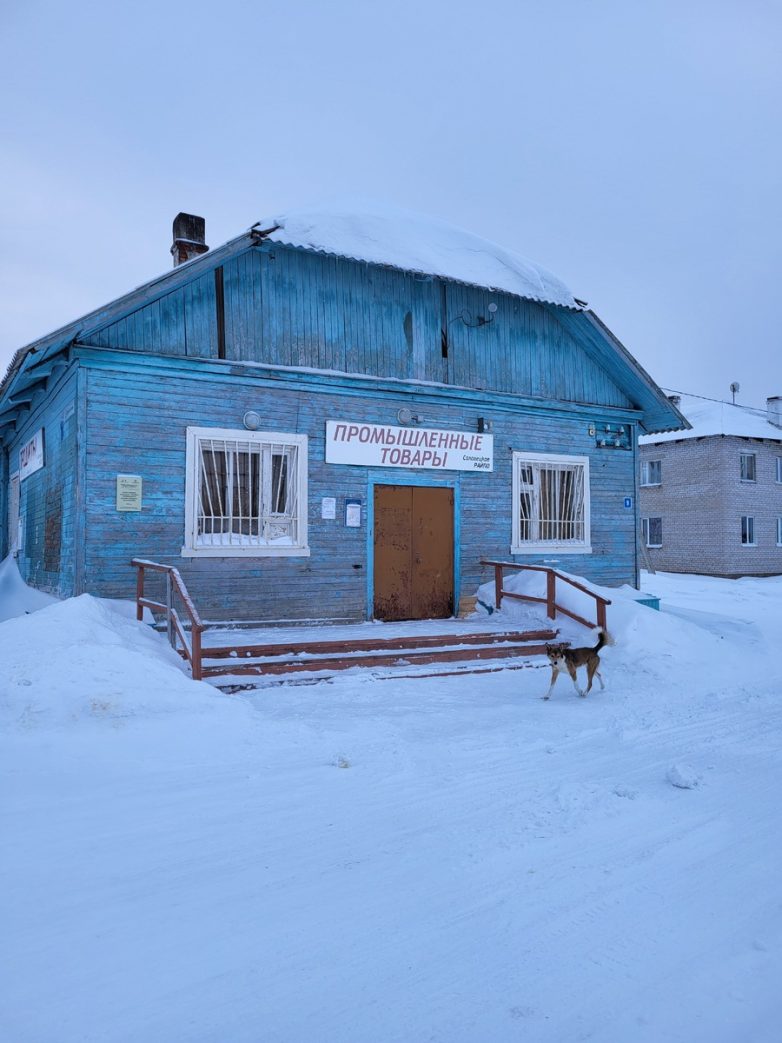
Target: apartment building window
(747,531)
(748,467)
(652,531)
(779,469)
(779,532)
(652,472)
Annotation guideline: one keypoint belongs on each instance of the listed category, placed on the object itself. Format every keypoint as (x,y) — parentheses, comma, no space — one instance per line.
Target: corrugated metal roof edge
(636,366)
(416,271)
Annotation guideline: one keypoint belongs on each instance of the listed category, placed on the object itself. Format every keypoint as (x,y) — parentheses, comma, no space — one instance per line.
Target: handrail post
(601,613)
(497,586)
(195,644)
(169,608)
(551,594)
(139,592)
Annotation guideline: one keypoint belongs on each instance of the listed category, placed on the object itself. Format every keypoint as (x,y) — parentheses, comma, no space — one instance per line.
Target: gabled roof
(46,347)
(708,417)
(390,238)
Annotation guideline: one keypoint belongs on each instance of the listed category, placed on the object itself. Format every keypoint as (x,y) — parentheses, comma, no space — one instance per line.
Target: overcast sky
(633,149)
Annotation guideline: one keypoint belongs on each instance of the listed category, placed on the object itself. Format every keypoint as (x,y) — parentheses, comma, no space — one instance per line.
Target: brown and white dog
(564,658)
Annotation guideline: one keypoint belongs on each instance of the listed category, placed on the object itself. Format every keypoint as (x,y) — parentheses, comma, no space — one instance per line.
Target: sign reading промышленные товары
(384,445)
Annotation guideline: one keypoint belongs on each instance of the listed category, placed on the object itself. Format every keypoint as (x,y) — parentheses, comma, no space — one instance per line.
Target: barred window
(652,472)
(246,492)
(551,503)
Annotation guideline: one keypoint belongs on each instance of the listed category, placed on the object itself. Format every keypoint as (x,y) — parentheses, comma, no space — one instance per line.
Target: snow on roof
(718,418)
(412,242)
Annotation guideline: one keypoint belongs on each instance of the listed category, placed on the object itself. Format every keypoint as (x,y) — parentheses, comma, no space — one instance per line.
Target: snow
(450,859)
(410,241)
(16,598)
(709,417)
(683,776)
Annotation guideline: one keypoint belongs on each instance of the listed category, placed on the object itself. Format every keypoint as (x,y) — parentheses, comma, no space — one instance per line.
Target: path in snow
(488,866)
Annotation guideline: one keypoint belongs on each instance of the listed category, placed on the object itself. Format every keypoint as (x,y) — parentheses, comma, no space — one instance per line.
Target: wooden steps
(291,657)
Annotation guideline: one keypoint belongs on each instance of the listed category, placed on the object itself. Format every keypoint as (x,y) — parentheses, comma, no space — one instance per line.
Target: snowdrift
(81,659)
(16,598)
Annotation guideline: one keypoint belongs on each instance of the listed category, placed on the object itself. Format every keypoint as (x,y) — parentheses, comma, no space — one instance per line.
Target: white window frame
(646,529)
(519,546)
(750,519)
(779,469)
(779,532)
(646,467)
(192,548)
(754,468)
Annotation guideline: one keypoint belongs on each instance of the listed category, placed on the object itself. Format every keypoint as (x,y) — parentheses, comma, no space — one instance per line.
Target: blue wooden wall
(136,420)
(292,307)
(50,498)
(138,382)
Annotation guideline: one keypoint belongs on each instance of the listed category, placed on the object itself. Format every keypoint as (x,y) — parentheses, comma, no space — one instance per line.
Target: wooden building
(329,417)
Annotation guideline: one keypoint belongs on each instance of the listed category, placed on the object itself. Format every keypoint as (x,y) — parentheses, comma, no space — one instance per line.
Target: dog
(564,658)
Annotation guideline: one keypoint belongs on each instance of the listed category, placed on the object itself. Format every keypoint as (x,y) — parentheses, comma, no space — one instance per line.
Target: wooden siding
(183,322)
(136,421)
(293,307)
(49,497)
(4,534)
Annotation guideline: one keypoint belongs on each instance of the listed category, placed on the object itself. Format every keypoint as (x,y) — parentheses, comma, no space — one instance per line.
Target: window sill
(548,548)
(245,552)
(654,546)
(649,485)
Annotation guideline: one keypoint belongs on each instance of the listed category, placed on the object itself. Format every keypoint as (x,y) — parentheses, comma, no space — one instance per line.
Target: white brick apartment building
(711,498)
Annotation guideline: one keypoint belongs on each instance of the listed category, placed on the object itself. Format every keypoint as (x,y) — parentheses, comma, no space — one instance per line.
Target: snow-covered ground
(366,860)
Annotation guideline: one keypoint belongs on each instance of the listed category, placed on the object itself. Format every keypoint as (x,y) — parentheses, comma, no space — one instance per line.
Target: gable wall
(291,307)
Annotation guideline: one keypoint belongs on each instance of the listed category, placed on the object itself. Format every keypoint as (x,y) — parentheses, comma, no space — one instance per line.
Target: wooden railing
(550,600)
(191,648)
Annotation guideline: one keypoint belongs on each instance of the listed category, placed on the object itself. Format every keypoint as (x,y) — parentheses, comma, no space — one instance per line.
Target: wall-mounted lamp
(251,420)
(407,416)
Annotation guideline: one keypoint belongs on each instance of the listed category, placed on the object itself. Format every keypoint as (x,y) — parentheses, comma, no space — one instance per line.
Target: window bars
(247,493)
(551,502)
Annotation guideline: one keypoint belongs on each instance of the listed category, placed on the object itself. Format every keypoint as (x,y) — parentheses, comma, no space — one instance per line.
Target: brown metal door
(413,552)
